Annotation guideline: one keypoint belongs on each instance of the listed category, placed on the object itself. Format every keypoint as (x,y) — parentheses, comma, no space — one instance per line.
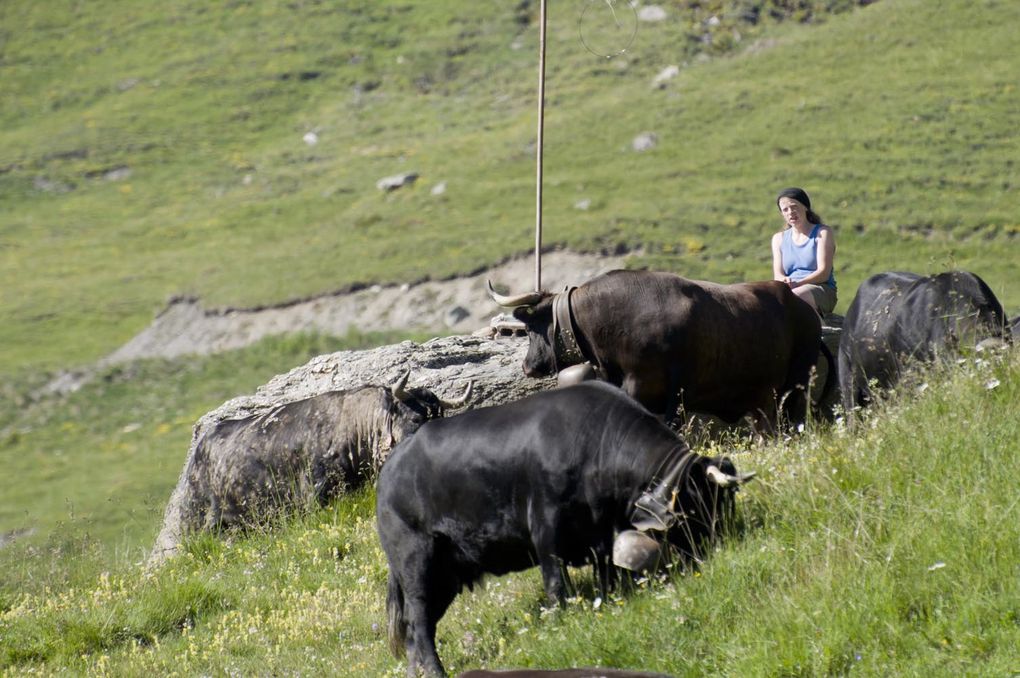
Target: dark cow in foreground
(551,480)
(724,350)
(561,673)
(898,318)
(301,453)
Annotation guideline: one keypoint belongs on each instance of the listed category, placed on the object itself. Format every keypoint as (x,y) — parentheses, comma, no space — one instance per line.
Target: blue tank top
(800,261)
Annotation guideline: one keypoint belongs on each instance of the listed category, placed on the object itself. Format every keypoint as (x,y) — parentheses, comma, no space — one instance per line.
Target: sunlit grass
(87,477)
(899,118)
(889,550)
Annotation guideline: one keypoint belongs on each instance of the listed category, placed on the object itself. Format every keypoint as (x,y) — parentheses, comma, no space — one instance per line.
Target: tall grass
(889,550)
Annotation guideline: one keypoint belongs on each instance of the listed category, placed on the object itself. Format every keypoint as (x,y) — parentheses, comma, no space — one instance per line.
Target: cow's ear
(523,313)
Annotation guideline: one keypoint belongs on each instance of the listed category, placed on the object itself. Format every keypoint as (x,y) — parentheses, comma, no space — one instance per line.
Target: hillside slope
(887,551)
(158,148)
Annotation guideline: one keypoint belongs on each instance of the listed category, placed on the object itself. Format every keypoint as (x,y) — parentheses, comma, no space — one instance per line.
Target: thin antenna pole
(538,169)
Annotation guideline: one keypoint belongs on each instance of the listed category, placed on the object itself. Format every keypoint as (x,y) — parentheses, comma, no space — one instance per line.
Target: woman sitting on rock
(802,253)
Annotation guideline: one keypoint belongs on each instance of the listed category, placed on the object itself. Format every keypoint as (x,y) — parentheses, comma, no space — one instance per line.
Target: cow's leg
(854,389)
(671,398)
(652,389)
(429,588)
(421,641)
(605,573)
(554,572)
(847,385)
(794,407)
(795,392)
(555,579)
(764,414)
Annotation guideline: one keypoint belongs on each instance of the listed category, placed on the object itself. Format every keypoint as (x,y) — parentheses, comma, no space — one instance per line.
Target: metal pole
(541,119)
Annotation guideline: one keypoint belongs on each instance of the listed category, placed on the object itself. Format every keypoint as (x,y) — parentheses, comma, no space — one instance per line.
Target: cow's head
(413,406)
(535,310)
(706,500)
(969,312)
(700,504)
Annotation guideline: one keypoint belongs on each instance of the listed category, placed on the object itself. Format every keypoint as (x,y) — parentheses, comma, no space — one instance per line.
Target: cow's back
(899,317)
(538,435)
(728,348)
(482,478)
(300,452)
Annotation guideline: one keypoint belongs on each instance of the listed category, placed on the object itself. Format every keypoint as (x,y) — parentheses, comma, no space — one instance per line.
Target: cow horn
(397,389)
(460,400)
(723,479)
(512,301)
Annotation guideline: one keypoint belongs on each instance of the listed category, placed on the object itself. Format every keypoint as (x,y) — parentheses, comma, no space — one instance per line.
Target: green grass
(87,477)
(890,550)
(899,118)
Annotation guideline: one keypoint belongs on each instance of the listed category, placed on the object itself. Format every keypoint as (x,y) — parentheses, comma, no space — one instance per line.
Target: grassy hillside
(150,149)
(888,551)
(155,148)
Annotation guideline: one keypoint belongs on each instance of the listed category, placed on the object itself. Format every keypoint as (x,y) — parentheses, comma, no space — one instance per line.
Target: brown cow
(724,350)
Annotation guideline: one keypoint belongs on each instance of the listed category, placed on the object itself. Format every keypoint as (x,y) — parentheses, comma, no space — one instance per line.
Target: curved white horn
(460,400)
(723,479)
(511,301)
(397,389)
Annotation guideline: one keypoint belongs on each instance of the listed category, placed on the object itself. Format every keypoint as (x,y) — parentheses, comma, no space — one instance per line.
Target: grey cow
(299,453)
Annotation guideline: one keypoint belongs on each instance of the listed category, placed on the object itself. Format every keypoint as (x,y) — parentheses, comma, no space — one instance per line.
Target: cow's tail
(396,626)
(830,374)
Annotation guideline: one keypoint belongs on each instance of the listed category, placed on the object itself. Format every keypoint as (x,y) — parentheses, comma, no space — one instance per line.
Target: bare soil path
(456,306)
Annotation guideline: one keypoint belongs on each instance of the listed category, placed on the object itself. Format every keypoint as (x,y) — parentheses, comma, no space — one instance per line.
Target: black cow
(724,350)
(550,480)
(561,673)
(900,318)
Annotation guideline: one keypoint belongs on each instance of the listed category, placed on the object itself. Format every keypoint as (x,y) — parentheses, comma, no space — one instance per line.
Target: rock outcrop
(443,366)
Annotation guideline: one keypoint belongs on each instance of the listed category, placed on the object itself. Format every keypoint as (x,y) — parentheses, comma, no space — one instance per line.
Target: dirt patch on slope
(456,306)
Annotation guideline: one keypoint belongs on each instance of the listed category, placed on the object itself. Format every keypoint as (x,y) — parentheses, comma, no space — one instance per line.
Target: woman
(803,251)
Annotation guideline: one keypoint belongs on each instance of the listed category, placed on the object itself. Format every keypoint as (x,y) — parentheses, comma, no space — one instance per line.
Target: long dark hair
(801,196)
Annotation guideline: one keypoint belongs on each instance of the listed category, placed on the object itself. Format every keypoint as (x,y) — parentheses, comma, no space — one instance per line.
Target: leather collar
(655,509)
(566,349)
